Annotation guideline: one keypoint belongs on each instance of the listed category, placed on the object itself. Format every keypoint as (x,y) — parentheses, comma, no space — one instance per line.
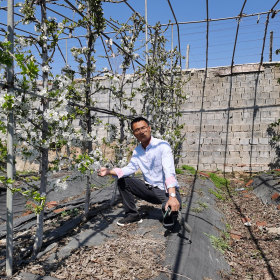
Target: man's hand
(173,203)
(103,171)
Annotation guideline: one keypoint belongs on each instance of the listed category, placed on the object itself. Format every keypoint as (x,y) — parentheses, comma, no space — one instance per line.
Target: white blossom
(36,28)
(22,41)
(75,52)
(46,68)
(2,100)
(60,25)
(61,184)
(84,50)
(43,92)
(109,42)
(81,7)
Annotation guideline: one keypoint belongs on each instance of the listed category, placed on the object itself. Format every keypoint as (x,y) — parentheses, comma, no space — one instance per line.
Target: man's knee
(123,183)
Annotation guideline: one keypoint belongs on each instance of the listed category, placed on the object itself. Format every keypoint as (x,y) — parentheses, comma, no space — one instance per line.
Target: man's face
(142,131)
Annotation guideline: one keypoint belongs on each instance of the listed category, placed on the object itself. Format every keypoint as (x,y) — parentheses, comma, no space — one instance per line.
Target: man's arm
(131,168)
(170,175)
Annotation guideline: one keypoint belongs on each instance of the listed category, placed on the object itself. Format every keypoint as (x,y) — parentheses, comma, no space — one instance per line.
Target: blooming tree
(61,114)
(162,91)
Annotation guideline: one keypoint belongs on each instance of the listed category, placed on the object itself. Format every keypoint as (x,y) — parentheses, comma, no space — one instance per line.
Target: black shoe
(129,219)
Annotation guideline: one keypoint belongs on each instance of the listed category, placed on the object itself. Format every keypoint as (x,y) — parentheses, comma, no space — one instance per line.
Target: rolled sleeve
(119,172)
(169,168)
(171,182)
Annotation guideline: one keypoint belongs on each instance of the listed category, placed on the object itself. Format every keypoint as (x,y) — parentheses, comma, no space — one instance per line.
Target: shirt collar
(150,144)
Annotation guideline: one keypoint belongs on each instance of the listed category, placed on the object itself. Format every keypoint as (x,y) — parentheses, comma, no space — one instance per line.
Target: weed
(256,254)
(218,181)
(196,209)
(96,187)
(35,178)
(202,206)
(191,169)
(179,171)
(220,243)
(228,227)
(184,205)
(72,212)
(218,193)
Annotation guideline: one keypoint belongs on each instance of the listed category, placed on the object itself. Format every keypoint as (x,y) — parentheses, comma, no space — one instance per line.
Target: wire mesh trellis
(192,33)
(207,56)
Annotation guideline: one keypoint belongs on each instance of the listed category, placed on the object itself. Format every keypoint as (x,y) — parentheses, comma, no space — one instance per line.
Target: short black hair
(139,119)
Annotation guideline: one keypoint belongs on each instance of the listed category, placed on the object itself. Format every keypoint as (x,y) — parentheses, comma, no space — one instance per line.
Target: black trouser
(128,187)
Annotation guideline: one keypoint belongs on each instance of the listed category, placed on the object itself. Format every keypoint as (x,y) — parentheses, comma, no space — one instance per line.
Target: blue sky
(221,33)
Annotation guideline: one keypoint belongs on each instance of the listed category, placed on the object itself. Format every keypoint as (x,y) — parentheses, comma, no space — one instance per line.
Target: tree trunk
(44,151)
(88,103)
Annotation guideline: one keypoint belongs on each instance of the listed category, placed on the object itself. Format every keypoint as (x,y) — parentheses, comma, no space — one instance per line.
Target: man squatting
(155,159)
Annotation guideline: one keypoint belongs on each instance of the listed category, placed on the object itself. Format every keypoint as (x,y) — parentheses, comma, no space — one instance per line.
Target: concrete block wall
(226,117)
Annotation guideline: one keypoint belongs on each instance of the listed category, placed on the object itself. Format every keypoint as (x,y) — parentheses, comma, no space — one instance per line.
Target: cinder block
(264,154)
(263,141)
(216,141)
(270,101)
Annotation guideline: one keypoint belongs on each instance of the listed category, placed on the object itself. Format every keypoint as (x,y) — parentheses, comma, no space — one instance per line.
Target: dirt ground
(254,228)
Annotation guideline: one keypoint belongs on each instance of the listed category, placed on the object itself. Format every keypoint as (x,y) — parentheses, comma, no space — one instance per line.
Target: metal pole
(146,30)
(172,37)
(66,56)
(270,46)
(10,152)
(187,56)
(172,44)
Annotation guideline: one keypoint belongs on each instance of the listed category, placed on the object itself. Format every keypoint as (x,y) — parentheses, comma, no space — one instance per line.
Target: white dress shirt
(156,163)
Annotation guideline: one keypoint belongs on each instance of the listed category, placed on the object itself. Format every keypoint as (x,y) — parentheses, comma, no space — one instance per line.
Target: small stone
(26,213)
(235,235)
(51,204)
(249,183)
(261,224)
(59,210)
(275,196)
(247,195)
(246,221)
(204,174)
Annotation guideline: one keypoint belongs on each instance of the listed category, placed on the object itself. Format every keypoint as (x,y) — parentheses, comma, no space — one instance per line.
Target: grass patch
(191,169)
(218,181)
